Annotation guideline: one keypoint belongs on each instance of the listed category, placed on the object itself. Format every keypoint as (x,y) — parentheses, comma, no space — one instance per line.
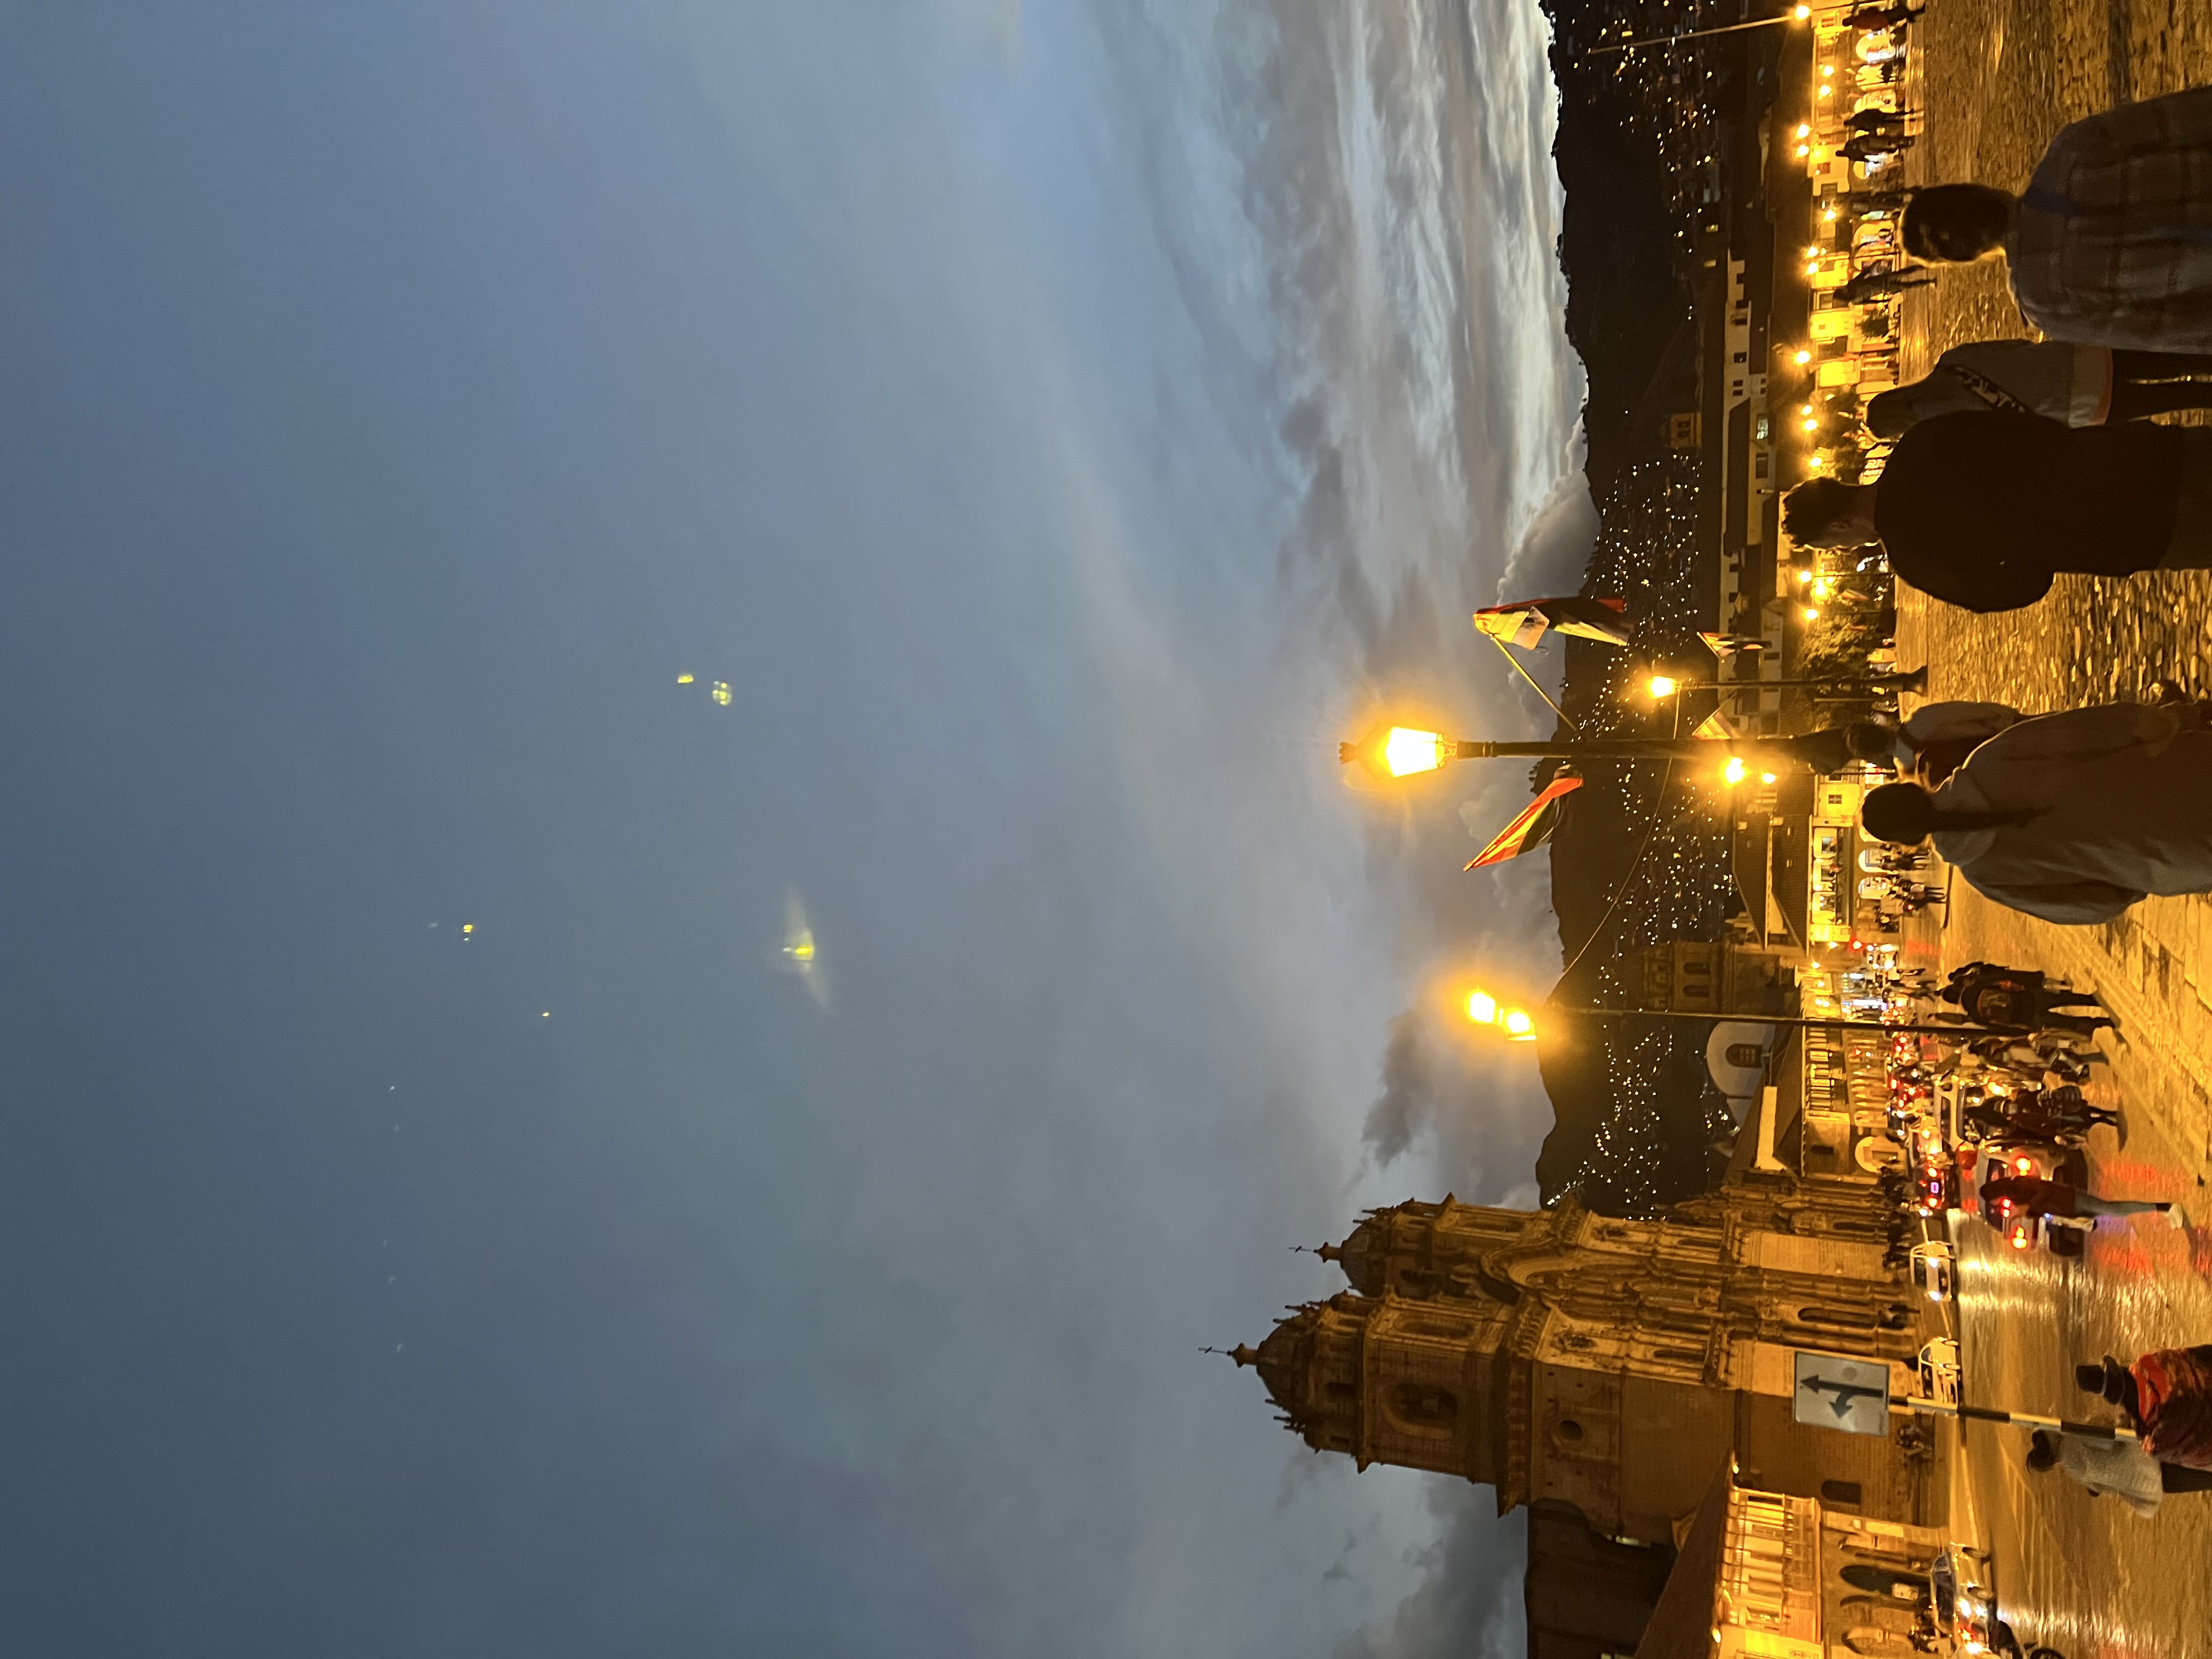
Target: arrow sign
(1835,1391)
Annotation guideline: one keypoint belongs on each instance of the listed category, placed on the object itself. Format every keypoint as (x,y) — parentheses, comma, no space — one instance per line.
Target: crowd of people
(2010,463)
(2002,1094)
(2014,461)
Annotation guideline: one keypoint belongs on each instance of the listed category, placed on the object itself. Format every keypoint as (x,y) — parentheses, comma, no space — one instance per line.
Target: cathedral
(1606,1373)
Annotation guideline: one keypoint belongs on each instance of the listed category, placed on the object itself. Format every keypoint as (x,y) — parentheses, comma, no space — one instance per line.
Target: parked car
(1965,1609)
(1939,1371)
(1934,1269)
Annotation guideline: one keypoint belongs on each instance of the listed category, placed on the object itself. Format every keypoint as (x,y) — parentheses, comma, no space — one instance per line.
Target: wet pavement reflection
(2081,1573)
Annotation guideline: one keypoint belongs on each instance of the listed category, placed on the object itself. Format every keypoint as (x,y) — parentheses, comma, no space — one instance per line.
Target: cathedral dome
(1283,1361)
(1365,1256)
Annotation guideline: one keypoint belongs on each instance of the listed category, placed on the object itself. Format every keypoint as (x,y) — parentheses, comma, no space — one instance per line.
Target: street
(1996,79)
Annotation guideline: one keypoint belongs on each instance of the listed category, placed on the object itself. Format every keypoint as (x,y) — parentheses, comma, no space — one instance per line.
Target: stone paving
(1996,78)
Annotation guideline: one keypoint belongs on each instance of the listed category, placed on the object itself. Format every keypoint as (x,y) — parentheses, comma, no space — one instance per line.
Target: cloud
(1466,1604)
(1407,1104)
(1556,545)
(1478,1110)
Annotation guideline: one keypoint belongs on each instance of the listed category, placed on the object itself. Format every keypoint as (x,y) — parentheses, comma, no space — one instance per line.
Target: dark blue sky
(1054,424)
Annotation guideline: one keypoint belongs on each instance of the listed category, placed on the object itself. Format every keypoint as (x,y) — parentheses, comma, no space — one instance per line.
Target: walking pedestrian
(1935,740)
(2047,1118)
(2038,1195)
(1877,120)
(1895,17)
(1869,286)
(1865,146)
(2166,1396)
(2109,1468)
(2071,817)
(2073,385)
(2063,1110)
(1981,510)
(1997,996)
(2111,244)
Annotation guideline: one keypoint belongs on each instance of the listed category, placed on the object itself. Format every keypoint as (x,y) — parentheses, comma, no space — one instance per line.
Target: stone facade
(1610,1367)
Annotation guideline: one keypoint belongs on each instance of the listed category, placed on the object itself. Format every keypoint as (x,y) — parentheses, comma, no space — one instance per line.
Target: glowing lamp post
(1389,752)
(1795,14)
(1388,755)
(1664,685)
(1515,1025)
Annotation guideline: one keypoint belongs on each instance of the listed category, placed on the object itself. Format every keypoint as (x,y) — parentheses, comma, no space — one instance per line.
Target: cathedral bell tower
(1612,1365)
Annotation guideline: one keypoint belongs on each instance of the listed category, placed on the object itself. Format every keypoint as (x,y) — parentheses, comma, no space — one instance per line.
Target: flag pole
(1515,664)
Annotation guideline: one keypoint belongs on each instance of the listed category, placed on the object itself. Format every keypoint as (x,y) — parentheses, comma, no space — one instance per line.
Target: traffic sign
(1836,1391)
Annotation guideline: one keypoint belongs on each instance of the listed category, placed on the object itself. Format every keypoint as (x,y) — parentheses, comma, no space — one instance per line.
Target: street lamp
(1663,685)
(1389,752)
(1380,758)
(1516,1025)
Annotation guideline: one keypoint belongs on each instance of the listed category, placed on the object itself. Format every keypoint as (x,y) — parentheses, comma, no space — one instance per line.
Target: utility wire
(1634,864)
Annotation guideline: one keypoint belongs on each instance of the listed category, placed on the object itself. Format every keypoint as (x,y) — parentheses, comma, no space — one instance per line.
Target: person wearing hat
(2166,1397)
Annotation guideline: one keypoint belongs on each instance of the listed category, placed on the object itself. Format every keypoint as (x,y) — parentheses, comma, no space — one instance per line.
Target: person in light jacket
(2072,385)
(2109,1468)
(2071,817)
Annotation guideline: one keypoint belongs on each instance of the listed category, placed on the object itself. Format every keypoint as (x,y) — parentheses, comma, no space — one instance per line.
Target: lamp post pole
(1913,682)
(1927,1028)
(1689,748)
(1796,16)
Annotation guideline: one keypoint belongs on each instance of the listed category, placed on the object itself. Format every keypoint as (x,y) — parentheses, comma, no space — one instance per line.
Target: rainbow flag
(1533,826)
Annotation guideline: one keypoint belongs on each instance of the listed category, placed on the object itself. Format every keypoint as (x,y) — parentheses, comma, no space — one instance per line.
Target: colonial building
(1765,1575)
(1606,1370)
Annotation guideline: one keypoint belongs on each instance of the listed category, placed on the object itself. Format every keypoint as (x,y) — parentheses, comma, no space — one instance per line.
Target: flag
(1714,727)
(1526,623)
(1533,827)
(1725,646)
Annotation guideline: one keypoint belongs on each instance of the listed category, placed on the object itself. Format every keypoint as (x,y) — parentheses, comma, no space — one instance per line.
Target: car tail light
(2023,1164)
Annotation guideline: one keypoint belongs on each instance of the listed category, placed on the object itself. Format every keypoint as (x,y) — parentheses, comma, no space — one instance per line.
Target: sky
(437,1215)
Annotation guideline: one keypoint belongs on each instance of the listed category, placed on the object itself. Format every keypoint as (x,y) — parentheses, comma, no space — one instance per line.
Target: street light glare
(1662,685)
(1804,12)
(1803,358)
(1519,1025)
(1734,771)
(1482,1008)
(1406,751)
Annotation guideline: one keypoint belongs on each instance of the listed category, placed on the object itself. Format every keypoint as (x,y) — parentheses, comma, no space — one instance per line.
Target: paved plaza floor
(1996,78)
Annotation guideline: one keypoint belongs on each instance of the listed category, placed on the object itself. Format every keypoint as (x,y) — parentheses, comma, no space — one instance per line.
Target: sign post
(2023,1419)
(1839,1391)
